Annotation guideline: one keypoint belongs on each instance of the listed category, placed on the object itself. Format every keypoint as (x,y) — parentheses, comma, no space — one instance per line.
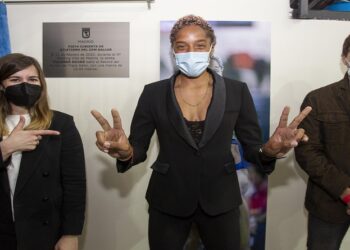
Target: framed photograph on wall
(320,9)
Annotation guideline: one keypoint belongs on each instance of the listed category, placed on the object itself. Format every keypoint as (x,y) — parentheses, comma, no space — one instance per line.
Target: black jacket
(49,199)
(325,158)
(185,174)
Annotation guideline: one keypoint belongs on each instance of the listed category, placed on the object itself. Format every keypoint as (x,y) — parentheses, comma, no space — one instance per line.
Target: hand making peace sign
(286,136)
(112,140)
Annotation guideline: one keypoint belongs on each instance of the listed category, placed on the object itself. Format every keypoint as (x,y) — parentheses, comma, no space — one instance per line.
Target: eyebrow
(201,40)
(14,76)
(195,42)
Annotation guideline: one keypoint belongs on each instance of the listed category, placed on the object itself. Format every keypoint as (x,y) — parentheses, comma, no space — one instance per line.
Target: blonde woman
(42,169)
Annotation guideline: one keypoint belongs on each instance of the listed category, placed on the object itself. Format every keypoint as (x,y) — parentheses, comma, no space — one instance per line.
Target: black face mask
(23,94)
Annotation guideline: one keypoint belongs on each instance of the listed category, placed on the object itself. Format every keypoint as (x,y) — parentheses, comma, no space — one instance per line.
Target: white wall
(305,55)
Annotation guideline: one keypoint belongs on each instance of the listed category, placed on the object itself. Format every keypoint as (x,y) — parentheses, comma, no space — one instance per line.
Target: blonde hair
(40,113)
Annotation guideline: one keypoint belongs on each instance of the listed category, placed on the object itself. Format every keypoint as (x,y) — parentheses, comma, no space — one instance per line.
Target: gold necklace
(201,99)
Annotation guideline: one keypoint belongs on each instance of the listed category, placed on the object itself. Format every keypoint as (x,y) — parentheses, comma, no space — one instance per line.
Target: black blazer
(49,199)
(185,174)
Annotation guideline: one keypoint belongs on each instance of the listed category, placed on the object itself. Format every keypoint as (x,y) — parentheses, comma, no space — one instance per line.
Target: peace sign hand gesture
(286,136)
(112,140)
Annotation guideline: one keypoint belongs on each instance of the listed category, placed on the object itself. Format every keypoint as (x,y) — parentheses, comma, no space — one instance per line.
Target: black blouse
(196,129)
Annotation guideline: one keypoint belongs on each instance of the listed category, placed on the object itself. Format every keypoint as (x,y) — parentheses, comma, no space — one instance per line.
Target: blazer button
(46,174)
(46,222)
(45,198)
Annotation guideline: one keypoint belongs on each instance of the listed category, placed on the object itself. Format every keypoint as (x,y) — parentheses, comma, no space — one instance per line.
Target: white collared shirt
(13,167)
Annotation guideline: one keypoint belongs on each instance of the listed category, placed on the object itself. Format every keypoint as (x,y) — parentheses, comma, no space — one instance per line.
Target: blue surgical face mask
(192,64)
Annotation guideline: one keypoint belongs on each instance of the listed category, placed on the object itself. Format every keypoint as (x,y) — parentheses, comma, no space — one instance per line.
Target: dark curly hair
(192,20)
(346,46)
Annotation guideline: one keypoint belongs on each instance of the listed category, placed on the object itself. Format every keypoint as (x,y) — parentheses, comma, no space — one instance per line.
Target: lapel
(29,163)
(343,92)
(216,109)
(214,114)
(4,181)
(175,114)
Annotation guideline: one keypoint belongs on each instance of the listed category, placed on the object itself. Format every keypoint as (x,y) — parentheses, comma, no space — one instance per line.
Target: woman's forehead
(30,71)
(193,32)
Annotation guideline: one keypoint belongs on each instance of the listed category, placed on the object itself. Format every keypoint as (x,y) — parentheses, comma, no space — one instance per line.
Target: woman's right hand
(22,140)
(112,140)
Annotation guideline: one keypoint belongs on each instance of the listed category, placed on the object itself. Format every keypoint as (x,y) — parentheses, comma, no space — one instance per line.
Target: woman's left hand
(286,136)
(67,242)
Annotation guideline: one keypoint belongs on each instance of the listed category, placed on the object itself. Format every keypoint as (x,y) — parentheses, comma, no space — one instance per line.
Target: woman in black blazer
(42,168)
(195,114)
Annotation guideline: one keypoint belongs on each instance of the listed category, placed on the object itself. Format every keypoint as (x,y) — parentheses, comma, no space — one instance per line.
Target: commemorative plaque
(86,49)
